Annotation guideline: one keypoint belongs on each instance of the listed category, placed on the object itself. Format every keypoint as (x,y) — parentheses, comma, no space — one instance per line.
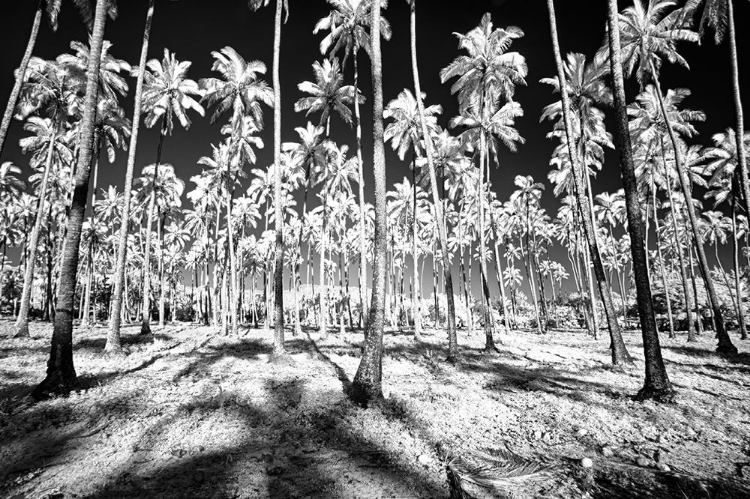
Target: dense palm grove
(295,244)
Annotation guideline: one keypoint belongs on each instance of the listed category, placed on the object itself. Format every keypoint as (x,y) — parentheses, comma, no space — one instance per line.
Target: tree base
(452,359)
(365,394)
(145,329)
(281,359)
(21,331)
(727,349)
(55,384)
(491,349)
(114,352)
(660,395)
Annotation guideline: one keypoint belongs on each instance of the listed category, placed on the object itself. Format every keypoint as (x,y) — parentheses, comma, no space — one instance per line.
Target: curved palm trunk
(22,322)
(367,384)
(740,131)
(657,385)
(114,345)
(61,375)
(10,107)
(619,352)
(436,199)
(278,337)
(146,317)
(725,343)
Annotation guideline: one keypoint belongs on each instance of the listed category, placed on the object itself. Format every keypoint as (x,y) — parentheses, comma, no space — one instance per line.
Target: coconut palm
(278,347)
(113,344)
(650,35)
(348,23)
(719,16)
(48,147)
(167,95)
(61,376)
(404,132)
(367,384)
(328,94)
(52,7)
(656,385)
(240,90)
(485,75)
(619,352)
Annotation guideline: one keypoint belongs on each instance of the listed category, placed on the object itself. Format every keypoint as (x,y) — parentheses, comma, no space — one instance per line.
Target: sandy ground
(188,413)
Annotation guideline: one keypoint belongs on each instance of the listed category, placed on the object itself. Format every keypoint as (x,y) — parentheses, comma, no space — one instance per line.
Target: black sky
(193,28)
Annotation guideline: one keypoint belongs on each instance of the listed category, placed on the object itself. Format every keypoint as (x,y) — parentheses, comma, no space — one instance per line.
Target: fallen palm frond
(493,470)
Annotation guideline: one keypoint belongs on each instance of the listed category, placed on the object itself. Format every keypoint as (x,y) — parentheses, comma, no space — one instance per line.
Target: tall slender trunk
(278,338)
(662,265)
(61,375)
(146,317)
(22,322)
(436,199)
(416,299)
(367,384)
(657,385)
(361,186)
(489,341)
(619,352)
(10,107)
(114,345)
(725,343)
(735,257)
(678,248)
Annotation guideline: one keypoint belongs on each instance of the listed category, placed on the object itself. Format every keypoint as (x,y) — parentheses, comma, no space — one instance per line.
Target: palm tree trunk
(489,341)
(362,212)
(619,352)
(415,255)
(740,132)
(678,248)
(662,266)
(146,317)
(85,312)
(735,257)
(657,385)
(725,343)
(10,107)
(114,345)
(22,322)
(278,339)
(436,199)
(61,375)
(367,384)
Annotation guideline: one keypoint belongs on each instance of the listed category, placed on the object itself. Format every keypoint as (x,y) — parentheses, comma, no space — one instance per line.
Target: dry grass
(192,414)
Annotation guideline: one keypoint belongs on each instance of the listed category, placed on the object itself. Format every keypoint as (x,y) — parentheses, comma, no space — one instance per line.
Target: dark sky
(193,28)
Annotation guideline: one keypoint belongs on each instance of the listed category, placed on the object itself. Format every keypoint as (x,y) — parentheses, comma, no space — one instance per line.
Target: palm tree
(404,133)
(328,94)
(49,147)
(436,200)
(61,375)
(367,384)
(167,95)
(649,36)
(52,8)
(113,344)
(348,23)
(240,90)
(619,352)
(719,16)
(487,74)
(278,345)
(722,164)
(656,385)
